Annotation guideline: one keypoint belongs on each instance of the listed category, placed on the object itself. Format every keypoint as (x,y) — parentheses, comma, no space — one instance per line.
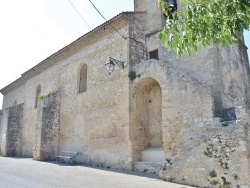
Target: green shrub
(212,174)
(41,96)
(132,75)
(214,182)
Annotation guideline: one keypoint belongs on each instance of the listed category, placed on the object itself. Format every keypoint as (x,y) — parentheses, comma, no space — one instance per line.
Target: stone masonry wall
(100,140)
(47,131)
(218,157)
(17,95)
(137,45)
(4,128)
(196,144)
(186,106)
(103,124)
(235,76)
(12,122)
(225,69)
(93,123)
(1,128)
(154,16)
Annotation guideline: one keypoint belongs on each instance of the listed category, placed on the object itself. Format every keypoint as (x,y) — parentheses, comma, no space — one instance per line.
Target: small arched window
(83,79)
(38,92)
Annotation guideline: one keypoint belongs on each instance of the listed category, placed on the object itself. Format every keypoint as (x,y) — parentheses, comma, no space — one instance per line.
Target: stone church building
(181,117)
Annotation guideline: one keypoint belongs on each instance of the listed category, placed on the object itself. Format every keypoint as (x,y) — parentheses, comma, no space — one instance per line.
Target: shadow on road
(133,173)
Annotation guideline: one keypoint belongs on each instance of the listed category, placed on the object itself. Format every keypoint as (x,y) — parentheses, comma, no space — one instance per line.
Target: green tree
(204,22)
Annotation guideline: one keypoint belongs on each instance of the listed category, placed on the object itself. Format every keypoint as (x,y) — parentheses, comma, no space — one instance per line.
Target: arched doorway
(148,125)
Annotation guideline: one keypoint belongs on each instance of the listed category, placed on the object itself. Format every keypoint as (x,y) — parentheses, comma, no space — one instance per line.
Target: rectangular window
(154,54)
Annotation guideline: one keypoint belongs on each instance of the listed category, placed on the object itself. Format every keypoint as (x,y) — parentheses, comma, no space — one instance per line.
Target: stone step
(153,155)
(148,167)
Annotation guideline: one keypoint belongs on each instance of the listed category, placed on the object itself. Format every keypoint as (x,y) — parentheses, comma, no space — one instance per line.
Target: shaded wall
(11,131)
(1,129)
(47,131)
(235,76)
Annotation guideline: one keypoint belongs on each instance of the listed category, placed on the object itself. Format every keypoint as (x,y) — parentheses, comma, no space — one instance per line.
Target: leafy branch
(204,22)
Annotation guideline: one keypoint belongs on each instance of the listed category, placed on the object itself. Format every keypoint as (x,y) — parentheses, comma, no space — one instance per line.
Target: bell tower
(154,19)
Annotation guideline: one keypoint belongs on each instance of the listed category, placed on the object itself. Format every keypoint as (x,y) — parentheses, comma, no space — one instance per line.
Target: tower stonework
(184,118)
(154,16)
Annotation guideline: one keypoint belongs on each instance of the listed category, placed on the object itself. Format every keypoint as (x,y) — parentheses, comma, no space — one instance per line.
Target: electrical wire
(117,30)
(106,19)
(79,14)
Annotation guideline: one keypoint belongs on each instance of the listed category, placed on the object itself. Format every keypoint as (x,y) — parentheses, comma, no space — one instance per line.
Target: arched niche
(82,83)
(147,125)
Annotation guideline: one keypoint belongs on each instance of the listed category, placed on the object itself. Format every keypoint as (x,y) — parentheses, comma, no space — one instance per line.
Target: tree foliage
(204,22)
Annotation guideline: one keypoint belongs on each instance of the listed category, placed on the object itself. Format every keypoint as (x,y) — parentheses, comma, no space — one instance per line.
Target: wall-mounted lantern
(110,64)
(173,6)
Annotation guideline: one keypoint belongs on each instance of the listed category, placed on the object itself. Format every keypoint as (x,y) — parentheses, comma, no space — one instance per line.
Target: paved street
(20,172)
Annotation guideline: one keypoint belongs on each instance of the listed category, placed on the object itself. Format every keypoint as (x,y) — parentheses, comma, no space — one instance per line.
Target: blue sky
(247,41)
(33,30)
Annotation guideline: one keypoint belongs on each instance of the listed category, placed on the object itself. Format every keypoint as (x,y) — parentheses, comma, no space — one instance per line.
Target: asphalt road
(27,173)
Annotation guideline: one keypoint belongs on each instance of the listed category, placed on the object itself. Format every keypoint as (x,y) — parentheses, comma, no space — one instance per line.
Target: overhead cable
(117,30)
(106,19)
(79,14)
